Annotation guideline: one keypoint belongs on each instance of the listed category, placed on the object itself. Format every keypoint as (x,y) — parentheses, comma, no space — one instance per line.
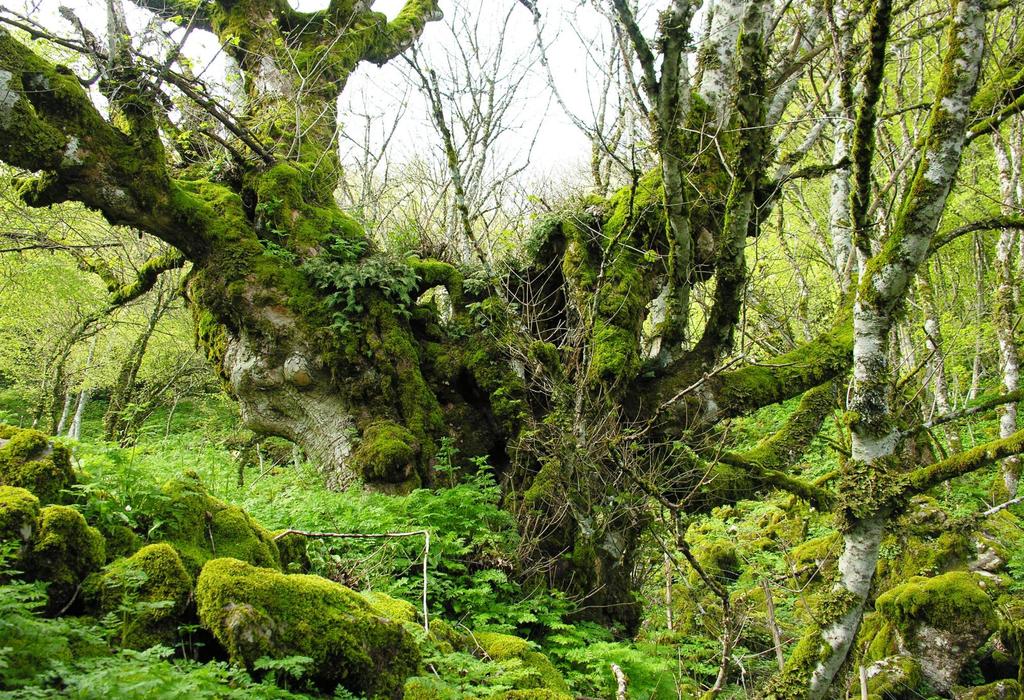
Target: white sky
(569,25)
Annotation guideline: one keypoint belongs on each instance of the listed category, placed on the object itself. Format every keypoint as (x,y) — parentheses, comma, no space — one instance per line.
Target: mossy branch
(48,123)
(147,276)
(180,12)
(996,222)
(778,379)
(924,478)
(402,32)
(783,448)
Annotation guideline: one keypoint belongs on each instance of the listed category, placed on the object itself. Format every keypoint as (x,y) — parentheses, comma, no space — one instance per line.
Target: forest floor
(776,547)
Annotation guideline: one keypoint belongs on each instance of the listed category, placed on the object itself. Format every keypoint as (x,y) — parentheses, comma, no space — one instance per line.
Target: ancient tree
(584,368)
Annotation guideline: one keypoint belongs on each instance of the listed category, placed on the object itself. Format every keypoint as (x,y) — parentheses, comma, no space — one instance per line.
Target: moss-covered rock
(390,608)
(19,511)
(894,678)
(1007,689)
(292,550)
(719,559)
(29,460)
(150,591)
(539,672)
(942,621)
(387,455)
(202,527)
(255,612)
(122,541)
(63,553)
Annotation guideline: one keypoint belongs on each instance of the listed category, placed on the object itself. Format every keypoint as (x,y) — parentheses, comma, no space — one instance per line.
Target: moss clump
(813,557)
(391,608)
(719,560)
(878,638)
(386,454)
(150,591)
(894,678)
(63,553)
(292,551)
(30,461)
(202,527)
(429,688)
(540,673)
(19,511)
(945,602)
(1006,689)
(258,612)
(121,541)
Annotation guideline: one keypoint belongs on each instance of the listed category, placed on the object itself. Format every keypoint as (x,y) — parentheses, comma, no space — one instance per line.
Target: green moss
(877,637)
(64,551)
(121,541)
(943,602)
(149,592)
(19,511)
(793,683)
(29,460)
(386,454)
(429,688)
(256,612)
(541,673)
(1007,689)
(719,559)
(292,550)
(813,557)
(907,556)
(895,678)
(391,608)
(434,273)
(202,527)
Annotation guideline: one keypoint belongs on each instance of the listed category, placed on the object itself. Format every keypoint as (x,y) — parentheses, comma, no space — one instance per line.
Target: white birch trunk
(875,439)
(69,398)
(718,79)
(1005,310)
(75,431)
(937,363)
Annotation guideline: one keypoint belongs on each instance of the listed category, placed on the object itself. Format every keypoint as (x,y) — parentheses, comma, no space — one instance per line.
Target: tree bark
(1005,308)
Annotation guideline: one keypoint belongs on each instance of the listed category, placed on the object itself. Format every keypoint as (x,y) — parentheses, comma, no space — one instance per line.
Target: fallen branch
(377,536)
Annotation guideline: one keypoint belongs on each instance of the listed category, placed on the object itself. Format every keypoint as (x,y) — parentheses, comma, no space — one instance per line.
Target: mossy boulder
(255,612)
(122,541)
(942,621)
(292,551)
(28,459)
(1007,689)
(390,608)
(894,678)
(152,590)
(19,511)
(538,671)
(64,551)
(386,456)
(719,559)
(202,527)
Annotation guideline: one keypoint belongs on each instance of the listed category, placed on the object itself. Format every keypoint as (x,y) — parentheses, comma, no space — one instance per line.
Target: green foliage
(347,272)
